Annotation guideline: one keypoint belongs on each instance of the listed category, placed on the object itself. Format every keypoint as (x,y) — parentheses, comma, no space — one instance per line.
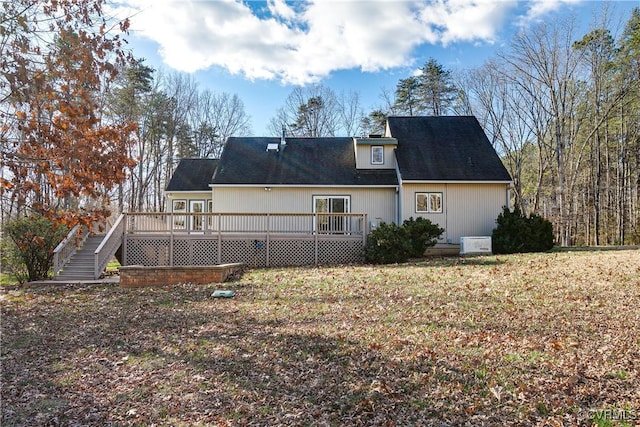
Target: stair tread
(81,265)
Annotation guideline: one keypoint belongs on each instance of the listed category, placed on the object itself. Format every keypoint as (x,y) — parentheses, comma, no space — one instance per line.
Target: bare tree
(543,58)
(182,91)
(311,111)
(350,113)
(215,118)
(496,102)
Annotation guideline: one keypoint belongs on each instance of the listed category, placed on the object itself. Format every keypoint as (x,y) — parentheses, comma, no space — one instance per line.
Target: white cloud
(300,42)
(280,8)
(537,9)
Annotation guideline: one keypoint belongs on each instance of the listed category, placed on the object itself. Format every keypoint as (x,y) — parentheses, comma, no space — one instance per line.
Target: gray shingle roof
(445,148)
(192,175)
(451,148)
(304,161)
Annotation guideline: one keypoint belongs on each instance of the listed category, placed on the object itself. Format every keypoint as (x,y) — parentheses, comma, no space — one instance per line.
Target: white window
(428,202)
(327,205)
(179,221)
(377,155)
(196,207)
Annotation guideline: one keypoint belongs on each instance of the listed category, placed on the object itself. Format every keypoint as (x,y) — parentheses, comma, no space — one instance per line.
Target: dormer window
(377,155)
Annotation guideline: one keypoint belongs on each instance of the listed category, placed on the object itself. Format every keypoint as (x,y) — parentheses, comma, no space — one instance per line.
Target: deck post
(268,242)
(364,230)
(315,239)
(124,238)
(171,223)
(219,238)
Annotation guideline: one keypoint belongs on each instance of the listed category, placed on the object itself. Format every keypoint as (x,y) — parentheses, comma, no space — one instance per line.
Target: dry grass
(546,339)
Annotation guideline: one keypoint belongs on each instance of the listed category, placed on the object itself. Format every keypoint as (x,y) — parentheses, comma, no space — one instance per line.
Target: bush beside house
(391,243)
(517,233)
(35,238)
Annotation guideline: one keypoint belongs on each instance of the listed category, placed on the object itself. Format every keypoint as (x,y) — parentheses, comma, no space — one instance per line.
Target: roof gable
(445,148)
(192,175)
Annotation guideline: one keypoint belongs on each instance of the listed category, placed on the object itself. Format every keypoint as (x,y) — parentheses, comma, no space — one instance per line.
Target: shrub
(390,243)
(12,264)
(35,238)
(422,235)
(515,232)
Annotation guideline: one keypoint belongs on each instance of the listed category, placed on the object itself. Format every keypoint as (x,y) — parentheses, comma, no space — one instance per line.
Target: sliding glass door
(331,205)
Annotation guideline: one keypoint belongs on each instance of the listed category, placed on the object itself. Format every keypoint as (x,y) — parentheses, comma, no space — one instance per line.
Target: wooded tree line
(57,60)
(175,119)
(84,124)
(563,110)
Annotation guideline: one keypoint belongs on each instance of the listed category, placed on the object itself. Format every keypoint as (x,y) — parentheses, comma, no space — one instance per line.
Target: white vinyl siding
(363,157)
(467,209)
(378,203)
(473,209)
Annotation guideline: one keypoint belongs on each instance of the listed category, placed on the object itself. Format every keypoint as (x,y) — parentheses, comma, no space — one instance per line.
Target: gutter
(299,186)
(399,195)
(451,181)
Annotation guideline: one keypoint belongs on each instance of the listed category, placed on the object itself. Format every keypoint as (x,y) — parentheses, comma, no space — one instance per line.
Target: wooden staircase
(82,264)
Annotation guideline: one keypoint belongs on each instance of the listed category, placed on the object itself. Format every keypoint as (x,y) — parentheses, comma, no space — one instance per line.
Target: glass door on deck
(196,208)
(329,205)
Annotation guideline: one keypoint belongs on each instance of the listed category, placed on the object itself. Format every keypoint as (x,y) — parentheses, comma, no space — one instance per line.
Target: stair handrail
(67,248)
(108,247)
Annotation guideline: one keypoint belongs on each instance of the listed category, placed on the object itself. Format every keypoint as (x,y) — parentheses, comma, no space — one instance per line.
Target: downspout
(445,206)
(397,213)
(399,196)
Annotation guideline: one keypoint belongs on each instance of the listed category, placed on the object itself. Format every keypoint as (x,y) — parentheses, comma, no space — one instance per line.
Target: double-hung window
(377,155)
(428,202)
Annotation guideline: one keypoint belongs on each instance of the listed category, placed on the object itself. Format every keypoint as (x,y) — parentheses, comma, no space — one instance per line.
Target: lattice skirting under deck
(256,251)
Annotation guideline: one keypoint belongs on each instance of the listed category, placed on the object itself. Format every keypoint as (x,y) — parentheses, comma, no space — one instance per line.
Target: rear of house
(440,168)
(450,174)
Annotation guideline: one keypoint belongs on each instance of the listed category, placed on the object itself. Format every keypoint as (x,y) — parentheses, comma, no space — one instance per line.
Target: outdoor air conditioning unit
(475,245)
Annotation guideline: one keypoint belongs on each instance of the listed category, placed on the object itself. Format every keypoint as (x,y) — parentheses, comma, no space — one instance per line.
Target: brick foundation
(137,276)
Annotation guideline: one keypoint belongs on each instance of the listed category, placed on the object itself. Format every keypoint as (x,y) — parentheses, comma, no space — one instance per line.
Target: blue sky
(262,50)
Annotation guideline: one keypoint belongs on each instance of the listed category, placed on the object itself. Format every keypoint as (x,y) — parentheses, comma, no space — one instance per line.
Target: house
(310,201)
(440,168)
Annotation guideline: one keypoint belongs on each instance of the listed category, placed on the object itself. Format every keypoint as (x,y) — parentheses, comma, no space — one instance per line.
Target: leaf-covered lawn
(545,339)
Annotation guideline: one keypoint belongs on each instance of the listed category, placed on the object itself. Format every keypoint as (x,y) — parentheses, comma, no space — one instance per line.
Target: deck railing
(258,239)
(67,247)
(246,223)
(74,240)
(108,247)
